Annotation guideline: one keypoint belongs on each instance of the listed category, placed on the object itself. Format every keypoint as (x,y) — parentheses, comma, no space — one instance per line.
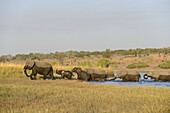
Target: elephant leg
(35,78)
(86,79)
(93,78)
(31,77)
(34,73)
(53,78)
(45,76)
(69,76)
(51,74)
(62,76)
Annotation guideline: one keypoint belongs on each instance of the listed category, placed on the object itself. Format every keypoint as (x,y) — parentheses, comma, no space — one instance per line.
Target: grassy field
(20,95)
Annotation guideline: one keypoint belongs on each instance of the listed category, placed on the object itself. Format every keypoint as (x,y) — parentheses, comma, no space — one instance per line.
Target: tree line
(82,54)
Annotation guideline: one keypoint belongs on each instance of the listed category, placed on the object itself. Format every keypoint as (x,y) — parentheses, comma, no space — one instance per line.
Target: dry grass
(19,94)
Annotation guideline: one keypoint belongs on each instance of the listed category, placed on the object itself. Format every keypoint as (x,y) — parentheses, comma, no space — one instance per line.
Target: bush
(137,65)
(165,65)
(103,62)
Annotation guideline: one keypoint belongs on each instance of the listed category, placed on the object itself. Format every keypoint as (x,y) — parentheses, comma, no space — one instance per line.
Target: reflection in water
(142,82)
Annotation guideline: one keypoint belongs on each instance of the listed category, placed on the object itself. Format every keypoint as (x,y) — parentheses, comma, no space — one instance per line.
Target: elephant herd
(45,69)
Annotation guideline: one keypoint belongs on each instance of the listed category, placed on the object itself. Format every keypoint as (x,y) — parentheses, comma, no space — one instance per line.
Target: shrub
(165,65)
(102,62)
(137,65)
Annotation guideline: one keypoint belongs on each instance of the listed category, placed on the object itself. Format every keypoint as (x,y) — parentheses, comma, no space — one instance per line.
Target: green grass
(18,94)
(165,65)
(137,65)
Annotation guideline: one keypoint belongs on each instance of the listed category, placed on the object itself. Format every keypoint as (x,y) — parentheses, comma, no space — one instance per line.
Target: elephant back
(164,73)
(98,71)
(132,72)
(121,73)
(89,70)
(42,64)
(153,74)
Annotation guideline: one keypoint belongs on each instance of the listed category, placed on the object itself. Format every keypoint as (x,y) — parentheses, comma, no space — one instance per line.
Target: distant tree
(103,62)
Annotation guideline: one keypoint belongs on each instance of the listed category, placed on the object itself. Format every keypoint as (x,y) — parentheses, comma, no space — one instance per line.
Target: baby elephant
(65,73)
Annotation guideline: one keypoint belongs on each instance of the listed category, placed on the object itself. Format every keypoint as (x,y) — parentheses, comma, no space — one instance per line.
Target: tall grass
(62,96)
(18,94)
(11,70)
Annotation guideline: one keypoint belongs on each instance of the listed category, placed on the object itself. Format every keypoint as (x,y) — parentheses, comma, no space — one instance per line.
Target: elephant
(82,75)
(65,73)
(98,71)
(129,76)
(95,76)
(164,78)
(98,74)
(158,76)
(37,67)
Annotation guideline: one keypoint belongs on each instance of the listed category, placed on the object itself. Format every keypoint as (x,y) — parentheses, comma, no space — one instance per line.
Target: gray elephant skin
(65,74)
(129,76)
(164,78)
(37,67)
(102,77)
(158,76)
(82,75)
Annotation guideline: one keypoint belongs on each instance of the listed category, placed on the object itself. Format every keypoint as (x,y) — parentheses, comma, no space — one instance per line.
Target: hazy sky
(46,26)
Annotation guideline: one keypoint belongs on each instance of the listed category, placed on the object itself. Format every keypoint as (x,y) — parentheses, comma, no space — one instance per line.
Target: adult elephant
(37,67)
(82,75)
(129,76)
(102,77)
(158,76)
(65,73)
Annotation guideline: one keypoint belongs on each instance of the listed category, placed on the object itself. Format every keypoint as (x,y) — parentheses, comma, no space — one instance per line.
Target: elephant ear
(31,64)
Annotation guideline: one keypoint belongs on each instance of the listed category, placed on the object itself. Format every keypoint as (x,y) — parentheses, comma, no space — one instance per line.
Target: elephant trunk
(25,71)
(145,76)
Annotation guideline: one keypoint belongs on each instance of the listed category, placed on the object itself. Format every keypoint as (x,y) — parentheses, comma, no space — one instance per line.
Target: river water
(142,82)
